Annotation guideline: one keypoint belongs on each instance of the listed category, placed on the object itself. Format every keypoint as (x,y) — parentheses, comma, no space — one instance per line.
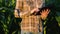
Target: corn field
(10,25)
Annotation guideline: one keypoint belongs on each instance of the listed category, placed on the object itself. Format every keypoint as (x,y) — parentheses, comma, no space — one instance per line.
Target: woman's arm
(21,14)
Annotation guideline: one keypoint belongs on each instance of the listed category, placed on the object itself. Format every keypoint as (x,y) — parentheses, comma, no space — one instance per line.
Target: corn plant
(7,19)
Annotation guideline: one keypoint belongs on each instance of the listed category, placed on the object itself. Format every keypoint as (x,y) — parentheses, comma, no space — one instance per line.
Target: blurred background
(10,25)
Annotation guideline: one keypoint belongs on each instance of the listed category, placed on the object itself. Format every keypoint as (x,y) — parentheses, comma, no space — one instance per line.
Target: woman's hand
(35,10)
(44,13)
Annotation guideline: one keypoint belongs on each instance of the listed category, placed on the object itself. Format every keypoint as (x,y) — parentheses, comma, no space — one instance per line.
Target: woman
(31,23)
